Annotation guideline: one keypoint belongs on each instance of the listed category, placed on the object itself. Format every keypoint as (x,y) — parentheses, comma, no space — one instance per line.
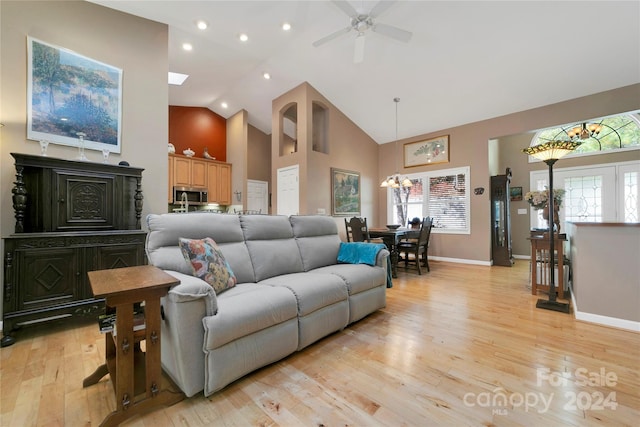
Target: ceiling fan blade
(346,7)
(331,36)
(380,8)
(358,52)
(393,32)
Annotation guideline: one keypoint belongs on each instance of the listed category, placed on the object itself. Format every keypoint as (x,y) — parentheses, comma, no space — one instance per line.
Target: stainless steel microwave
(194,196)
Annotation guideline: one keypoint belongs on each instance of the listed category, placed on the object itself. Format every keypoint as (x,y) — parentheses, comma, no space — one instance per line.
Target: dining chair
(357,229)
(248,212)
(417,247)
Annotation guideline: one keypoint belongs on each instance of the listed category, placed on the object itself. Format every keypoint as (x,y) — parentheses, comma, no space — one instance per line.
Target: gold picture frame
(427,152)
(345,192)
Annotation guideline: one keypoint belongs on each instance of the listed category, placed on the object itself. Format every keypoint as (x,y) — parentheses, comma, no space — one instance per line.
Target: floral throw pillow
(208,263)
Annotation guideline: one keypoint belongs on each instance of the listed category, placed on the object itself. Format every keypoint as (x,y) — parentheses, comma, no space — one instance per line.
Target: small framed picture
(427,152)
(516,194)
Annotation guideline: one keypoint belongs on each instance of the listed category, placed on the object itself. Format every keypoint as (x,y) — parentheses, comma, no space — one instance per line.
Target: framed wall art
(516,194)
(69,93)
(345,193)
(428,152)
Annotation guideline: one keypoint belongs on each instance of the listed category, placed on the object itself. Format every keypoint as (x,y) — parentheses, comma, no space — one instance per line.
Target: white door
(288,191)
(258,196)
(590,194)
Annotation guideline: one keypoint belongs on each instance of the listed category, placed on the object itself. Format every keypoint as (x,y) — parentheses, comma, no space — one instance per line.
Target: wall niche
(289,130)
(320,126)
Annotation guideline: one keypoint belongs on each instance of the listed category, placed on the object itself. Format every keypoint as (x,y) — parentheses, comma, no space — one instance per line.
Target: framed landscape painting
(429,152)
(69,93)
(345,193)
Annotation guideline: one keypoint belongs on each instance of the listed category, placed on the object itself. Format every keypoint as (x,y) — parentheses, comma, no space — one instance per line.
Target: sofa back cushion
(272,247)
(317,239)
(165,230)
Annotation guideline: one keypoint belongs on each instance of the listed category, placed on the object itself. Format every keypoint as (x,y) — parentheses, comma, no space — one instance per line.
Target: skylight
(177,78)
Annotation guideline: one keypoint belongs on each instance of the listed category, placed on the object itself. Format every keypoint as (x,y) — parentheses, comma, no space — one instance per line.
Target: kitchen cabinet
(189,172)
(219,183)
(212,175)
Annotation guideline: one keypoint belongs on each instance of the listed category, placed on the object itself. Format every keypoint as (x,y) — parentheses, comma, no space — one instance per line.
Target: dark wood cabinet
(501,250)
(72,217)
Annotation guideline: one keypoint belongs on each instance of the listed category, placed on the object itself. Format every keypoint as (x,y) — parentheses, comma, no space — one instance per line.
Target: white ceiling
(467,60)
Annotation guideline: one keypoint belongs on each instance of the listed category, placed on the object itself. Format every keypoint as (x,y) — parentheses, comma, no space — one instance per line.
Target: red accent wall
(197,128)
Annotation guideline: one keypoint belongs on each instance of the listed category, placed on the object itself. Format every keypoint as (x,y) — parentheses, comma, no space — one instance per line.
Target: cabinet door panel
(198,173)
(49,277)
(212,183)
(224,184)
(181,172)
(84,202)
(171,178)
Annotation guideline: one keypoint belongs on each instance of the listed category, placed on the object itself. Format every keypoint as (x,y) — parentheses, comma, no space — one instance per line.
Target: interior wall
(510,149)
(135,45)
(237,137)
(468,146)
(349,148)
(259,155)
(198,128)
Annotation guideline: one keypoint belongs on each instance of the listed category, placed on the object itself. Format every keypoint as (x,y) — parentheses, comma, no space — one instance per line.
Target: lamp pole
(549,152)
(552,303)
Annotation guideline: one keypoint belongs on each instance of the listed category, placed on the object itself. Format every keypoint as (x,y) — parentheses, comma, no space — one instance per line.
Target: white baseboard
(613,322)
(461,261)
(522,256)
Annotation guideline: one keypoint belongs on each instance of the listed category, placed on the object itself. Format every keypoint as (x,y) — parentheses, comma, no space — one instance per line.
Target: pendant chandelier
(394,181)
(584,131)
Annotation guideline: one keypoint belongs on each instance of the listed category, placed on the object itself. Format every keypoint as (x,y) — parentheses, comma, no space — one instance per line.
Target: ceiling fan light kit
(361,24)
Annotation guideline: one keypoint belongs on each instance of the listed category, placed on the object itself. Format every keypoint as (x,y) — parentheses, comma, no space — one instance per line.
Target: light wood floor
(462,345)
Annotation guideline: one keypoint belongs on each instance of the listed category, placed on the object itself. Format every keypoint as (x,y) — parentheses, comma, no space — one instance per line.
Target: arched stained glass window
(597,136)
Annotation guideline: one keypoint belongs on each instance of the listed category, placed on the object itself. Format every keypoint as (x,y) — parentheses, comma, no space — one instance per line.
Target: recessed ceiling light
(202,25)
(187,46)
(224,105)
(243,37)
(286,26)
(177,78)
(266,75)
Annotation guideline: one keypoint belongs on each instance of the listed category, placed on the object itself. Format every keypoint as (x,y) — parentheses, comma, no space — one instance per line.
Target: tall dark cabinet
(501,250)
(71,217)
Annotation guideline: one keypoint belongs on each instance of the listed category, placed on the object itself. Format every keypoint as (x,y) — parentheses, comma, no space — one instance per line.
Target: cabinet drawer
(120,256)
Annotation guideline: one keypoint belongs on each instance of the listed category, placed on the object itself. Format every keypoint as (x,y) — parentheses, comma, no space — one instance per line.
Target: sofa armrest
(192,288)
(381,258)
(184,307)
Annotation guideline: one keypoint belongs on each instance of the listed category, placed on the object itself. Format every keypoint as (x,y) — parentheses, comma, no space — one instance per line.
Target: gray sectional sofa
(291,292)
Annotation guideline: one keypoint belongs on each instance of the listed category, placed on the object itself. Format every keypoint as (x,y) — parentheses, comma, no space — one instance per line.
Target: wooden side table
(540,256)
(137,376)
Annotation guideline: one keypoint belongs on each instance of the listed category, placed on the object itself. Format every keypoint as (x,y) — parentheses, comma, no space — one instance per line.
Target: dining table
(391,238)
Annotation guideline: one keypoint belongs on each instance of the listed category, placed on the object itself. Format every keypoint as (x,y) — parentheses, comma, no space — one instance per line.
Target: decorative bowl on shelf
(393,226)
(188,152)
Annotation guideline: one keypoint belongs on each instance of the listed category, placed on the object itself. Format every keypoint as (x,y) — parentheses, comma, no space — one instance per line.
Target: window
(607,134)
(443,195)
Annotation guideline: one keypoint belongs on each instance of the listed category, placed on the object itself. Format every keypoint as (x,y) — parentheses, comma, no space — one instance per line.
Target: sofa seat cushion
(312,291)
(246,309)
(358,277)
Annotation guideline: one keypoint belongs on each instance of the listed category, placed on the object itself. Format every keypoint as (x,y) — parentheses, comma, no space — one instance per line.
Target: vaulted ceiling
(466,60)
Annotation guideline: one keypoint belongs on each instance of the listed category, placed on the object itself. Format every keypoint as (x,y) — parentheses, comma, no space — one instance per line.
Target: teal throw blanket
(363,253)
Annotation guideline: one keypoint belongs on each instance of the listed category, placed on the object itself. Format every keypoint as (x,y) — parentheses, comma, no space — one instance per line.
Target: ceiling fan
(361,23)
